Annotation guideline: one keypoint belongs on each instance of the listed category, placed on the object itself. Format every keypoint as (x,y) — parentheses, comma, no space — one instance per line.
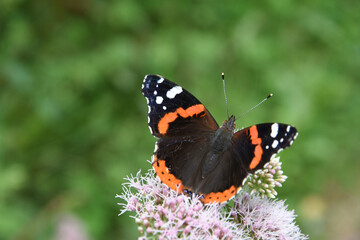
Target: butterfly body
(194,155)
(219,143)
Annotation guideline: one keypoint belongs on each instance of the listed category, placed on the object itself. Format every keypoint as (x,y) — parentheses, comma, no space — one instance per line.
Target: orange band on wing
(190,111)
(164,122)
(255,140)
(220,197)
(170,117)
(176,184)
(165,176)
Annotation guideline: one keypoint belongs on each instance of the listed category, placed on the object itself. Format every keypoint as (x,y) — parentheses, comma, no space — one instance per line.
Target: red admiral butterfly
(194,155)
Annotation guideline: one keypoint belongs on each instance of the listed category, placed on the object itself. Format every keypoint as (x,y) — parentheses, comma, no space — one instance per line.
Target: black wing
(173,111)
(184,127)
(256,144)
(251,149)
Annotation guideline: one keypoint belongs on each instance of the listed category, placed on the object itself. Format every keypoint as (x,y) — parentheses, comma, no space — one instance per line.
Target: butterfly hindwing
(179,160)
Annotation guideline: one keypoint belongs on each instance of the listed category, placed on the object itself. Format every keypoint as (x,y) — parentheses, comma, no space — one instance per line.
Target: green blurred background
(74,122)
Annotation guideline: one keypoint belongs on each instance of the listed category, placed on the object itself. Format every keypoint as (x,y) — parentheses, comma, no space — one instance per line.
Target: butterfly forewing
(173,111)
(256,145)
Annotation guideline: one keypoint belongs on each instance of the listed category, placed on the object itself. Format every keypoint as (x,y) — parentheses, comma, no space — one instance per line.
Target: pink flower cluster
(263,218)
(165,214)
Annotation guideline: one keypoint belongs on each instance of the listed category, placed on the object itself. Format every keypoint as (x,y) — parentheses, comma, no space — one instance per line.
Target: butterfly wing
(184,128)
(251,149)
(173,111)
(258,143)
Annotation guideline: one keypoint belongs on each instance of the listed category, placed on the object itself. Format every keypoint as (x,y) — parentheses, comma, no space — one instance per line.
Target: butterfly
(194,155)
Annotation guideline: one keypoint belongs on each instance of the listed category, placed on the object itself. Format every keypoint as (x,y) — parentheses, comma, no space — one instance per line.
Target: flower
(264,218)
(162,213)
(264,180)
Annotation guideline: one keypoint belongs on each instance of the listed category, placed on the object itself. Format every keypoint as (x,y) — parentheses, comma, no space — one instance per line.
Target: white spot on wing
(296,135)
(155,92)
(148,119)
(267,146)
(173,92)
(150,130)
(156,147)
(159,100)
(160,80)
(164,107)
(274,130)
(149,109)
(275,143)
(291,142)
(281,140)
(288,128)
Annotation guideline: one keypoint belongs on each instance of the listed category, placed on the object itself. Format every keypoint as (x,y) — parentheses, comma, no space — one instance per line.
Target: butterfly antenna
(270,95)
(227,106)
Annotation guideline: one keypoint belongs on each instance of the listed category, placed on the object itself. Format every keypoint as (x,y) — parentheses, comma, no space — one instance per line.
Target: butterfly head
(223,135)
(229,124)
